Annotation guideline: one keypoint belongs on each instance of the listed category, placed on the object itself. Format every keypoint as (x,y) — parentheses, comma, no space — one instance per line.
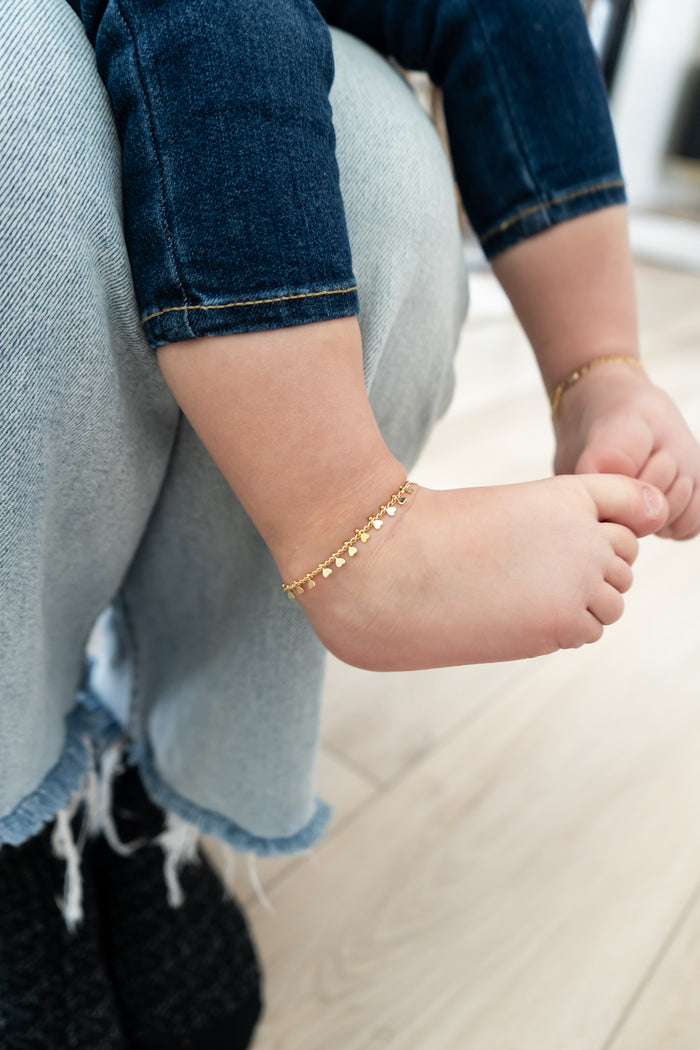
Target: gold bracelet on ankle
(579,373)
(351,546)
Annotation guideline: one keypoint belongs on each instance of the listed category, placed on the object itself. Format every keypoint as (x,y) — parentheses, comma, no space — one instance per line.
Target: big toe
(638,505)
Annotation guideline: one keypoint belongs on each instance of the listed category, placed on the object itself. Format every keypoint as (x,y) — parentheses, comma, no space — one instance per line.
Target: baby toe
(607,605)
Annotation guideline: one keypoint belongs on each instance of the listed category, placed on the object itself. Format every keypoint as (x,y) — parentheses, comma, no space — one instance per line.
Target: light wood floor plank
(667,1013)
(511,889)
(385,723)
(348,789)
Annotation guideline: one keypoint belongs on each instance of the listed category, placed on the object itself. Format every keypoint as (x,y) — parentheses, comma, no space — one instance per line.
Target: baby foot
(499,573)
(615,421)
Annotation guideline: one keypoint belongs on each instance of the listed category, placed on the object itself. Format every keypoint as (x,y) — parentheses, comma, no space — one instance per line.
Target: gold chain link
(296,588)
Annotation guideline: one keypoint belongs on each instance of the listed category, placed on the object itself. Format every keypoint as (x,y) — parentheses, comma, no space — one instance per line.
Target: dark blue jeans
(233,214)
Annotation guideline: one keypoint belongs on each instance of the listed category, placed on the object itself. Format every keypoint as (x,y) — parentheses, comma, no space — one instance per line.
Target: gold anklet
(351,546)
(579,373)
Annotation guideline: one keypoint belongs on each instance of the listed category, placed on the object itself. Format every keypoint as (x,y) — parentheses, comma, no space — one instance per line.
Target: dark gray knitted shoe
(184,977)
(54,992)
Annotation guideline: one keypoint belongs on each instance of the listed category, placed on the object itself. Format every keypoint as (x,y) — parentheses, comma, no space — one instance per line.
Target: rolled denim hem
(86,723)
(282,309)
(537,216)
(208,822)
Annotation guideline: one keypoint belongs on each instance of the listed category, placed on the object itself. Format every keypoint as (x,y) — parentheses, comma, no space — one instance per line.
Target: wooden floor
(515,859)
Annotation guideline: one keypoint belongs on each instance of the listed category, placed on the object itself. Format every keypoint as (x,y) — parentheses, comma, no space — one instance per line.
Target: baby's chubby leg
(454,577)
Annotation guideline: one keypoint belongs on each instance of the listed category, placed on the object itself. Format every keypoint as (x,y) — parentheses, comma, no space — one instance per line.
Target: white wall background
(664,40)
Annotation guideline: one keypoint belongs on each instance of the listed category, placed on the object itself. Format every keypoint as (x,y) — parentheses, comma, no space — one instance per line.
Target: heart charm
(402,499)
(391,511)
(364,537)
(377,524)
(311,584)
(300,590)
(339,562)
(326,573)
(352,551)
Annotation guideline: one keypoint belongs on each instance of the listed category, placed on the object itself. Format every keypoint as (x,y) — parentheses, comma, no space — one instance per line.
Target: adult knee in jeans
(404,232)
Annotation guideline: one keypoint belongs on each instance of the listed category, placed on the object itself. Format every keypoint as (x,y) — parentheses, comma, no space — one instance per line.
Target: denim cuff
(538,215)
(281,309)
(530,132)
(233,215)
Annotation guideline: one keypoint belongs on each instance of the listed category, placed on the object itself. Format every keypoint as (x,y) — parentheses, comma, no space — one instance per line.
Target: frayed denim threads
(87,726)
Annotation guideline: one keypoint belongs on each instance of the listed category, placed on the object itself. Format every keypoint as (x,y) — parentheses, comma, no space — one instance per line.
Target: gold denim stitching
(523,214)
(251,302)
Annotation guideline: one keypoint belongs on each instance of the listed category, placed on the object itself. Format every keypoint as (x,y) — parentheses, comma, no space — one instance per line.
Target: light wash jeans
(107,497)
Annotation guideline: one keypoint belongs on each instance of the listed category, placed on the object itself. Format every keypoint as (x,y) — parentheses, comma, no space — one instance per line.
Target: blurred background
(650,56)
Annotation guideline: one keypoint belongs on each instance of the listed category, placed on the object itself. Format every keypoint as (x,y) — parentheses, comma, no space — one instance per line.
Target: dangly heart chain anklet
(351,546)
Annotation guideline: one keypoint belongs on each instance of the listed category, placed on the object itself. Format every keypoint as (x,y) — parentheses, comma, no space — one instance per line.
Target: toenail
(653,501)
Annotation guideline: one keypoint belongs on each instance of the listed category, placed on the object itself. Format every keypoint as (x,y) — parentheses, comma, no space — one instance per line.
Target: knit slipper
(185,977)
(54,991)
